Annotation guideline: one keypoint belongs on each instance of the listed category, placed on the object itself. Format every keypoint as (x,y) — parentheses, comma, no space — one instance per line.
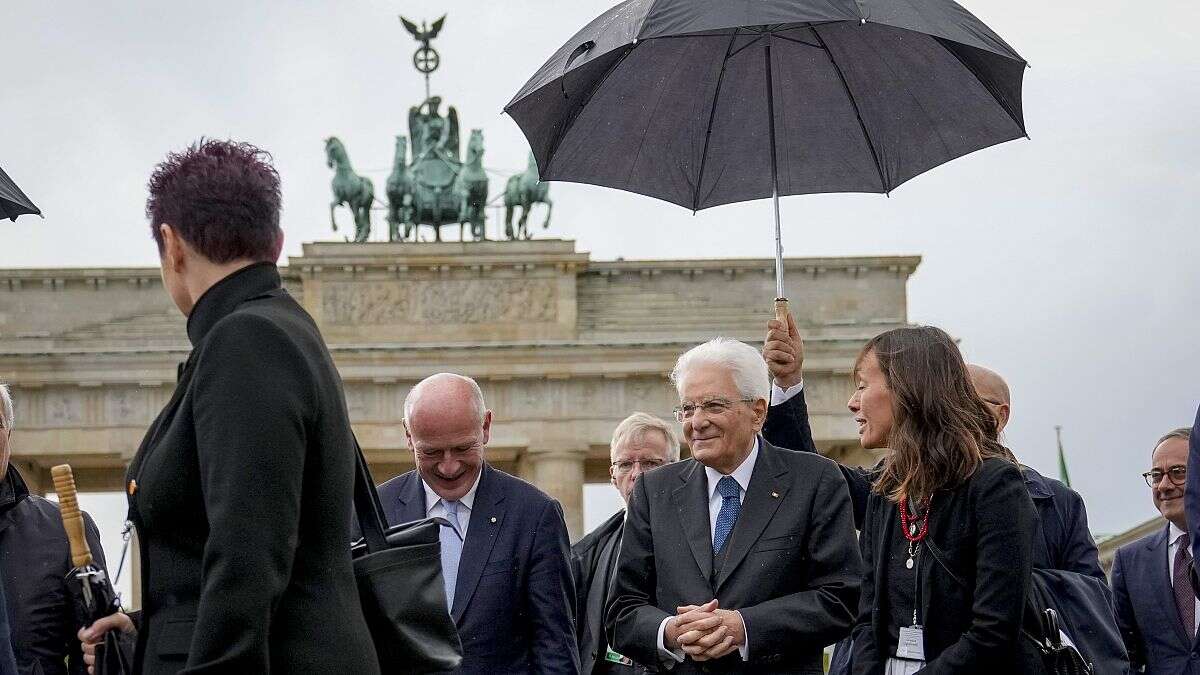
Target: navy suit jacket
(1146,611)
(1191,499)
(515,599)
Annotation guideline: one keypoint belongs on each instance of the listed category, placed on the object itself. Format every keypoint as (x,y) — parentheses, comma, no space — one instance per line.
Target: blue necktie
(452,545)
(731,506)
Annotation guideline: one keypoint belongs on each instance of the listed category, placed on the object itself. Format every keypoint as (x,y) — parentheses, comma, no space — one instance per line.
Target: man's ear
(759,408)
(487,427)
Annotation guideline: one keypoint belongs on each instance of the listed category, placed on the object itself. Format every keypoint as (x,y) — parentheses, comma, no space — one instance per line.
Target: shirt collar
(740,474)
(1176,533)
(432,499)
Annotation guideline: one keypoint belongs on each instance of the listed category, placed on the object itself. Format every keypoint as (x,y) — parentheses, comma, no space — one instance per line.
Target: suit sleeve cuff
(744,648)
(675,656)
(779,395)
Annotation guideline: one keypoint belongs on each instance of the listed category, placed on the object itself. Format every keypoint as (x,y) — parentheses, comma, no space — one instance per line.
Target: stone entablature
(563,347)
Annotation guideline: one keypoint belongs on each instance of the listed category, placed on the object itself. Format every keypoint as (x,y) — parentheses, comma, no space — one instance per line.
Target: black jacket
(791,567)
(8,663)
(974,578)
(34,560)
(241,494)
(592,561)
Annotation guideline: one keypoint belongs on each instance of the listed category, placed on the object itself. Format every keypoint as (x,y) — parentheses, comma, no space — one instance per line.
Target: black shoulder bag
(399,576)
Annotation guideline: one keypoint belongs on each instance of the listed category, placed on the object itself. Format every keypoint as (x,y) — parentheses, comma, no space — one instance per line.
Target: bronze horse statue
(355,191)
(399,194)
(524,190)
(471,187)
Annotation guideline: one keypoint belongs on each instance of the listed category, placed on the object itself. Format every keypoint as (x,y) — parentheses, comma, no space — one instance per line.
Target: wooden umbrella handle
(68,504)
(781,311)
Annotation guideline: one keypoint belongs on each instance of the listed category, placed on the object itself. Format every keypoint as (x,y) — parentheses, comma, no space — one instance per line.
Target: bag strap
(366,503)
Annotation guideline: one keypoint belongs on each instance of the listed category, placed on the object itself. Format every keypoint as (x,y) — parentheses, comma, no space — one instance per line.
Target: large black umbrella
(13,202)
(708,102)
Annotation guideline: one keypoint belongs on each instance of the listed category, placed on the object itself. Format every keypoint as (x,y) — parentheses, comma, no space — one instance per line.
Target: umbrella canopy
(708,102)
(13,202)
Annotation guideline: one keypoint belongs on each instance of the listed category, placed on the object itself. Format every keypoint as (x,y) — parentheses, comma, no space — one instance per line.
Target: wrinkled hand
(707,632)
(783,350)
(94,634)
(692,620)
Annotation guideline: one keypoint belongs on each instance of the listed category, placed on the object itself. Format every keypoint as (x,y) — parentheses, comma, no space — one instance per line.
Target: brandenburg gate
(563,346)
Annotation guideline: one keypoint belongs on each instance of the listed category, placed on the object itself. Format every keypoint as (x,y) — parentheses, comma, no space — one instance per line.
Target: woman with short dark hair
(241,491)
(947,536)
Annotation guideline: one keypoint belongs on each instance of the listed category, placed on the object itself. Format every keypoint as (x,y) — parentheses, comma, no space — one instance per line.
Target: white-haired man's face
(721,428)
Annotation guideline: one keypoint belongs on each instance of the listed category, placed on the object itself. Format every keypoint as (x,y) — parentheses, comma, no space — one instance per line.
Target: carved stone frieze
(452,301)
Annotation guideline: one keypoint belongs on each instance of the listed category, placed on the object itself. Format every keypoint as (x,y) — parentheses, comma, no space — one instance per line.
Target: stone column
(558,471)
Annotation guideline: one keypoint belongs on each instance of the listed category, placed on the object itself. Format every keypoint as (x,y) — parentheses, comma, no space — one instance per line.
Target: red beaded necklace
(913,532)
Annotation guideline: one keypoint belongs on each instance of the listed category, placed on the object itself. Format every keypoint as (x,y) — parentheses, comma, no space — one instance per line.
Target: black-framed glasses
(625,466)
(1177,475)
(714,406)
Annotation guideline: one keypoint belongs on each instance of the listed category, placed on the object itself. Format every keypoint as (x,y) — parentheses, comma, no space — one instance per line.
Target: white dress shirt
(742,476)
(435,508)
(1172,547)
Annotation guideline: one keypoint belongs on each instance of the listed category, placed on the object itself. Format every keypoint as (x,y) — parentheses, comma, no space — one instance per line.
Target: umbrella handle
(781,311)
(68,503)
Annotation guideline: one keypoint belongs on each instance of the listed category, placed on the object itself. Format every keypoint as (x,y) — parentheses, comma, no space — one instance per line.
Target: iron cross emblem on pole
(425,59)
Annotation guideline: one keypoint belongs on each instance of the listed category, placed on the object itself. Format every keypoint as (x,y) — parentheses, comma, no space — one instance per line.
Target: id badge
(613,657)
(911,644)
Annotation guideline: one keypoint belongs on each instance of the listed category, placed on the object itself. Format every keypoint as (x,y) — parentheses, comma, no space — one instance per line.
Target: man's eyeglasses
(1177,474)
(716,406)
(625,466)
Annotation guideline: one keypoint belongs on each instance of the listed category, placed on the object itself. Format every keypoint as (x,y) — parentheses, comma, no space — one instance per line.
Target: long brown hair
(941,429)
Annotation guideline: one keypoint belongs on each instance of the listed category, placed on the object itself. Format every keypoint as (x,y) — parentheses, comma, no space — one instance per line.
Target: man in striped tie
(743,558)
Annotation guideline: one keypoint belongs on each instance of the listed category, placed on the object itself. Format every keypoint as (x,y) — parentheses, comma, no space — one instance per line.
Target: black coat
(974,577)
(241,494)
(8,663)
(514,603)
(34,560)
(791,566)
(592,561)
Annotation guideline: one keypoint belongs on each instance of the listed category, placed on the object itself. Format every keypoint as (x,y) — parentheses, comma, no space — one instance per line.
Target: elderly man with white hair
(743,558)
(640,443)
(505,553)
(34,560)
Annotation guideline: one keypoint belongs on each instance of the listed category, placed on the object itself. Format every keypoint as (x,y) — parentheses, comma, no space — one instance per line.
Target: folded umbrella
(91,593)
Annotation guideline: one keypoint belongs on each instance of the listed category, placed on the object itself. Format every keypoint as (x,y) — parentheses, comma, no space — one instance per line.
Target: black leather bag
(399,576)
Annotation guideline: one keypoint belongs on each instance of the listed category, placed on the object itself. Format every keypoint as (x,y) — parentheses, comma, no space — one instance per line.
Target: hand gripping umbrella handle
(781,311)
(64,485)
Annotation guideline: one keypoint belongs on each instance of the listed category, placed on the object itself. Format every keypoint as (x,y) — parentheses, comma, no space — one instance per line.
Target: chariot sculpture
(431,183)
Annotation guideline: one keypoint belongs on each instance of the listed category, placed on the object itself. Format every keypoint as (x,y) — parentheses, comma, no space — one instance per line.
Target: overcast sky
(1065,262)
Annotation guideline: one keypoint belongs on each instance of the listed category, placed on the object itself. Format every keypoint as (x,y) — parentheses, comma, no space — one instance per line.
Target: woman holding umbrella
(946,540)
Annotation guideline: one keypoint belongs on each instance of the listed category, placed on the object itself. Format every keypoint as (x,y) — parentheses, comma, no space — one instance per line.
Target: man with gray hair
(742,558)
(505,551)
(34,561)
(641,442)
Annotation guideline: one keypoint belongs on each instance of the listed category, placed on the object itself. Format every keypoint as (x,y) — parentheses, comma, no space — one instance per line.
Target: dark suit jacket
(1191,498)
(515,601)
(8,664)
(592,561)
(1146,612)
(243,498)
(973,585)
(791,567)
(35,558)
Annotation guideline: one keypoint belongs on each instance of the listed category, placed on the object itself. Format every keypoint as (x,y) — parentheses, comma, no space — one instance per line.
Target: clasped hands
(705,632)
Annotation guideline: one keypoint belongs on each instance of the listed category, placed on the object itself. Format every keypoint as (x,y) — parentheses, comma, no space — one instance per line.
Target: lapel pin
(775,495)
(132,488)
(493,519)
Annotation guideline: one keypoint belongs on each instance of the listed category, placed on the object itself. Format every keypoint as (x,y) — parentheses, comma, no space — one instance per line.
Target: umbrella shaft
(774,172)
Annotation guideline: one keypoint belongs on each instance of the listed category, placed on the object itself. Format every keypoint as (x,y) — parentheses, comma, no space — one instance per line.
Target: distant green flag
(1063,475)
